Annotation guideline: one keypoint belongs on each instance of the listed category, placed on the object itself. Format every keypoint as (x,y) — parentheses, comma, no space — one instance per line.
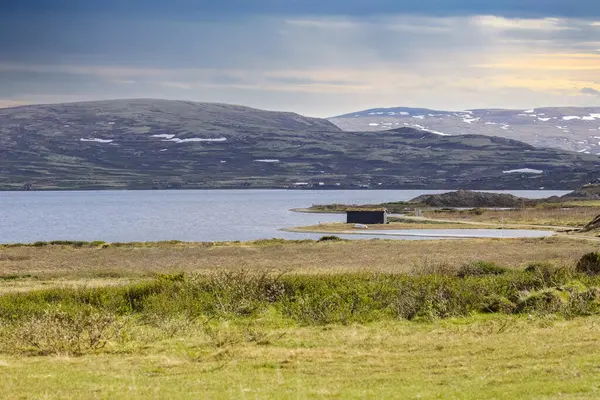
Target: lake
(188,215)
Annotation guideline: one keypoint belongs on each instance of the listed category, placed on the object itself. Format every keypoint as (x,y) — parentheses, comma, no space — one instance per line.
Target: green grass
(472,358)
(582,203)
(40,321)
(474,329)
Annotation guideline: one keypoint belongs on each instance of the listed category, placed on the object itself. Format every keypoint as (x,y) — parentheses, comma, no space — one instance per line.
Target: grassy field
(275,319)
(573,215)
(465,358)
(21,266)
(420,223)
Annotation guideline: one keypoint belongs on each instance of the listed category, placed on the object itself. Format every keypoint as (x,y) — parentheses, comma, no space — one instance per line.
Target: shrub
(80,320)
(331,239)
(74,243)
(499,304)
(240,292)
(60,332)
(545,301)
(546,274)
(430,266)
(178,277)
(480,268)
(589,264)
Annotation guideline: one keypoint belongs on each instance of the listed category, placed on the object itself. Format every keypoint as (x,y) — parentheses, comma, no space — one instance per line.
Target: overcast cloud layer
(316,58)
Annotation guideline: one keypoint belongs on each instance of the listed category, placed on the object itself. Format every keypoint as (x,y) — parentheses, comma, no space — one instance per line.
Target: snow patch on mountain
(164,136)
(524,171)
(177,140)
(96,140)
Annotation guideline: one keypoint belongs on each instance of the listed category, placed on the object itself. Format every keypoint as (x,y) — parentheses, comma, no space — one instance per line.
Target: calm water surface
(194,215)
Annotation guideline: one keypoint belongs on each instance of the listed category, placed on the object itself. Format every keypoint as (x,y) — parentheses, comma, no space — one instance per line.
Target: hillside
(586,192)
(467,198)
(145,144)
(567,128)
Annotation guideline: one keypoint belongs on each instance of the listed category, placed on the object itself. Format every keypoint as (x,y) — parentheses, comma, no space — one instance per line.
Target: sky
(315,57)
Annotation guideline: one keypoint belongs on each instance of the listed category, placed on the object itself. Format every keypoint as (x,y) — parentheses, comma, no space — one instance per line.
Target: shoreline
(404,233)
(291,188)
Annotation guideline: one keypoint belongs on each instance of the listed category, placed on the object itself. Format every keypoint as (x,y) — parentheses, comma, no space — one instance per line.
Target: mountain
(145,144)
(567,128)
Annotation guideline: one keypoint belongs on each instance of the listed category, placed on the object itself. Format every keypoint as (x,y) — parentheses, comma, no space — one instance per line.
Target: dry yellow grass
(575,216)
(35,264)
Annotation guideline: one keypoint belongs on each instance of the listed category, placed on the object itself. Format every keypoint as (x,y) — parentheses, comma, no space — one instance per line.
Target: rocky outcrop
(590,191)
(593,225)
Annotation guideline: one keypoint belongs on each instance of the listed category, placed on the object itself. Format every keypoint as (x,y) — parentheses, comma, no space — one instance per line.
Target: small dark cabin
(367,216)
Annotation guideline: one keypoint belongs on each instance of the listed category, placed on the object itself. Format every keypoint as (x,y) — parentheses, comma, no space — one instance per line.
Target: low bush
(589,264)
(330,239)
(480,268)
(61,332)
(548,274)
(80,320)
(499,304)
(321,299)
(545,301)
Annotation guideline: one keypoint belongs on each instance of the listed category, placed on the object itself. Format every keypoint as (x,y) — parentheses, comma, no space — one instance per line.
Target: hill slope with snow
(145,144)
(568,128)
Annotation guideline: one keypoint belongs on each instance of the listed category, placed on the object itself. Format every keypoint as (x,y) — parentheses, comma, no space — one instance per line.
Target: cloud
(590,91)
(193,10)
(539,24)
(176,85)
(314,64)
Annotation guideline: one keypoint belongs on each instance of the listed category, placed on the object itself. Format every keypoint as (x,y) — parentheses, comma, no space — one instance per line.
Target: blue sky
(318,58)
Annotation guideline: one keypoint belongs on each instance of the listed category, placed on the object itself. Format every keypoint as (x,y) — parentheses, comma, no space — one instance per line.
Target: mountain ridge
(567,128)
(153,144)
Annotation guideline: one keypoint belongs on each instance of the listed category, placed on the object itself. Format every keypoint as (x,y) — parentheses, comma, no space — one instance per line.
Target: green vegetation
(589,264)
(77,321)
(392,207)
(468,358)
(331,239)
(481,268)
(301,319)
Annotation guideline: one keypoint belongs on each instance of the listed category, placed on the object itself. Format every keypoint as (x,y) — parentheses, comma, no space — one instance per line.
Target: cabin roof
(365,209)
